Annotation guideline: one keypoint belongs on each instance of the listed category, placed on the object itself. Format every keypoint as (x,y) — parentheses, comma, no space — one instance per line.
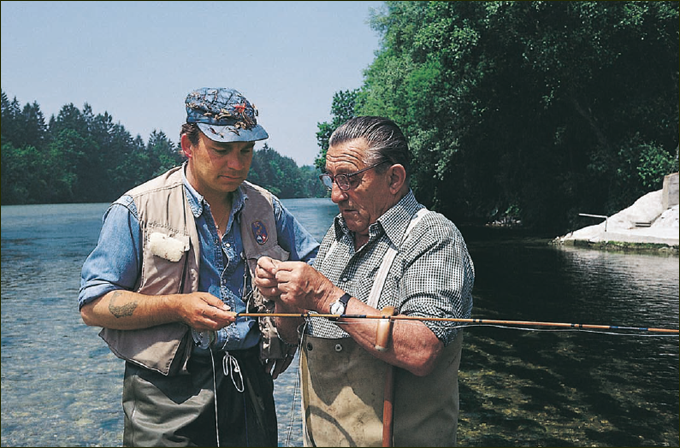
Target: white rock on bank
(643,222)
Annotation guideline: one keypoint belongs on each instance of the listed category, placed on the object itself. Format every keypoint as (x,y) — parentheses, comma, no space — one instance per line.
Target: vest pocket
(275,251)
(166,244)
(164,258)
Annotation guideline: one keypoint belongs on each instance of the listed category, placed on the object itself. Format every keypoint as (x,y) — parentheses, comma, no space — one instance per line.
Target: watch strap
(343,299)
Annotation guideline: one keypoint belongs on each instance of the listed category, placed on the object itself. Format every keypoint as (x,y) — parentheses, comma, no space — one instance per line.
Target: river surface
(519,385)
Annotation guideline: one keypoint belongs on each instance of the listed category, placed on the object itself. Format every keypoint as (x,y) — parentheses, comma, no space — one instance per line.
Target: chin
(229,185)
(353,225)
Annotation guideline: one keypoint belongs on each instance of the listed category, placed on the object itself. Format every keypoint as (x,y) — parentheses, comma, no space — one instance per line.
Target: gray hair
(386,142)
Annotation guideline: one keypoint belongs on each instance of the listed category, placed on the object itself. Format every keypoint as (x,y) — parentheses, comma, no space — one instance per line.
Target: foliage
(342,109)
(539,109)
(281,175)
(83,157)
(654,164)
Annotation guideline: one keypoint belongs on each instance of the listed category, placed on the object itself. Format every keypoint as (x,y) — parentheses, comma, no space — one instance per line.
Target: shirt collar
(393,222)
(197,202)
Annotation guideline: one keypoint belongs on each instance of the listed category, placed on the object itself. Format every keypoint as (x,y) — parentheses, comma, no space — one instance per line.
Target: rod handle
(384,329)
(382,338)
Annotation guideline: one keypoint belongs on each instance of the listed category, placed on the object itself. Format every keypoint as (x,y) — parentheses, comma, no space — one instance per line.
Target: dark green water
(519,387)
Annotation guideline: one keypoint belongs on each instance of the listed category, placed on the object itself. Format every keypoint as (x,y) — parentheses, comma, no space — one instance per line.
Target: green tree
(163,153)
(282,176)
(23,175)
(541,109)
(342,109)
(26,167)
(12,126)
(86,157)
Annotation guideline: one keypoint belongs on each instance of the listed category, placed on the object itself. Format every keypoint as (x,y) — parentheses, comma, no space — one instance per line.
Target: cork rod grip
(384,329)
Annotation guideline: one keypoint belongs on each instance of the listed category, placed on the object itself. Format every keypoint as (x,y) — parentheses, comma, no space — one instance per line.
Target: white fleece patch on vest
(166,247)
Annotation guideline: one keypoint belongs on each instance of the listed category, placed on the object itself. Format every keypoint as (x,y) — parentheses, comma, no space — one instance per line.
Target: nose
(337,195)
(234,160)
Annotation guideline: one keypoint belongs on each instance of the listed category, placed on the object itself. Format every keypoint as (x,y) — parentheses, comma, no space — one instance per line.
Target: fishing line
(217,421)
(301,329)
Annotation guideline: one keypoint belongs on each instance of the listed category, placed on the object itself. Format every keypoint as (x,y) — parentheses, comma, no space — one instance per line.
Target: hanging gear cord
(232,369)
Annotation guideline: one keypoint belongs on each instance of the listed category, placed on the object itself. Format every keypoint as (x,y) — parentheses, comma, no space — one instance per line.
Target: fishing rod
(460,320)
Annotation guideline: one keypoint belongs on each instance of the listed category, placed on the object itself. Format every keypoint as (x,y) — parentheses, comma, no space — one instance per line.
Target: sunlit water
(61,386)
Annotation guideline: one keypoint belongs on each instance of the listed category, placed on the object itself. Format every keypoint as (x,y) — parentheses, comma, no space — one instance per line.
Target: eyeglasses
(343,180)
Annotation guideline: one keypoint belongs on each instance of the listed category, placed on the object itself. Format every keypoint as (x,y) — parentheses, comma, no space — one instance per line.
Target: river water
(519,386)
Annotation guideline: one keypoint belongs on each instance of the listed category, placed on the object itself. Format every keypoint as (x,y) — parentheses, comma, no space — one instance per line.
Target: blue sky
(138,60)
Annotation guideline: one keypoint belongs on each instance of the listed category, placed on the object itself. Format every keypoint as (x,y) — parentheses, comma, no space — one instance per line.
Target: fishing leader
(384,249)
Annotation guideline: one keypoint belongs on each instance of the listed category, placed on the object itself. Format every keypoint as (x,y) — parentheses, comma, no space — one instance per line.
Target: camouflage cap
(224,115)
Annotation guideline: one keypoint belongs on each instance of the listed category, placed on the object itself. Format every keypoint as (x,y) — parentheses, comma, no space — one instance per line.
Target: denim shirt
(116,261)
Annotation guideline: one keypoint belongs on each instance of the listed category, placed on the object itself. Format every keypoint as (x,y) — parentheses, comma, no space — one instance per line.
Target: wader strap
(388,259)
(384,329)
(315,408)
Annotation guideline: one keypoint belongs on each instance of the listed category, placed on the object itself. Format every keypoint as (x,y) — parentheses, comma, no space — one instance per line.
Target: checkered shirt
(432,274)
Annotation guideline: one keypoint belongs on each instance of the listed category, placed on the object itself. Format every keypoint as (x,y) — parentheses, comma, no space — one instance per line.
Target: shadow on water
(533,387)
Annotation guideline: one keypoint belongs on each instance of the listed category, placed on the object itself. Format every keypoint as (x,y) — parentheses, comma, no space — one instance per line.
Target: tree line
(516,111)
(526,111)
(78,156)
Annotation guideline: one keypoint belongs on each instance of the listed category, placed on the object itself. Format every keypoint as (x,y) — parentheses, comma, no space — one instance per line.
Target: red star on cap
(240,108)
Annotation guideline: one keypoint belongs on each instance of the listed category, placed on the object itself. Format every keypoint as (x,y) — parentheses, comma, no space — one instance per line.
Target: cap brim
(226,134)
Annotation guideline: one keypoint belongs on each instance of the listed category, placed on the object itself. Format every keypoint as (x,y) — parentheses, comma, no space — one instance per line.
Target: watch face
(337,308)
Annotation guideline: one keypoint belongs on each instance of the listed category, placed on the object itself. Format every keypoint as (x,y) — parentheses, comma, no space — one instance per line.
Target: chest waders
(170,397)
(342,397)
(343,390)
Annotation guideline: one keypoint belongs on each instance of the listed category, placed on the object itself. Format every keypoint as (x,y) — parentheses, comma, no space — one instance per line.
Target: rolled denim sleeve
(292,235)
(115,263)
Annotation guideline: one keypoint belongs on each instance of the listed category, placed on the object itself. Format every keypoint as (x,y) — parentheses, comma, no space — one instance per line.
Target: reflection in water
(62,386)
(570,388)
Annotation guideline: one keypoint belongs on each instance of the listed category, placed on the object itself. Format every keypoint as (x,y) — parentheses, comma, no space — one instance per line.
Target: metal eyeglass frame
(342,180)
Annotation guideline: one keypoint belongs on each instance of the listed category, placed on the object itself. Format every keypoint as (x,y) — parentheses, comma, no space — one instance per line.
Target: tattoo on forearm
(122,310)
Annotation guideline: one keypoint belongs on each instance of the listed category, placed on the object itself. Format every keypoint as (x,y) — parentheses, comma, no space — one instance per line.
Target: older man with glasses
(383,251)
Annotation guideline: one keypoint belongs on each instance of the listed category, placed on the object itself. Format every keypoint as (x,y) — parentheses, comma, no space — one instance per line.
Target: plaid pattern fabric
(431,276)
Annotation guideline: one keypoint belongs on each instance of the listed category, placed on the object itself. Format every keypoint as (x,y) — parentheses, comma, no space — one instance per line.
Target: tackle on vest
(163,210)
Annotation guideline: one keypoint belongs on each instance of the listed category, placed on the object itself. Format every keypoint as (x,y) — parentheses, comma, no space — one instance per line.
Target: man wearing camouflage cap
(172,267)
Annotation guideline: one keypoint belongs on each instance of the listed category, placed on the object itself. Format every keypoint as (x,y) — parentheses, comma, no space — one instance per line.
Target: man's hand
(203,311)
(301,286)
(265,277)
(128,310)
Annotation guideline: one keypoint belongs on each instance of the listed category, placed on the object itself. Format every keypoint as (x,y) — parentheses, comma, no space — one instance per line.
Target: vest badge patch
(259,232)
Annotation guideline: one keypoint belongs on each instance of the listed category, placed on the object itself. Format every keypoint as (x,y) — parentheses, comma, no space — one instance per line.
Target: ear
(397,177)
(187,146)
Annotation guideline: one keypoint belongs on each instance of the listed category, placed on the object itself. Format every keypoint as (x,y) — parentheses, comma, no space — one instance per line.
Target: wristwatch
(340,305)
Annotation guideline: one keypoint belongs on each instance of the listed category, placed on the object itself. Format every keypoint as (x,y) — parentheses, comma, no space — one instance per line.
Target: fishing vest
(173,267)
(343,391)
